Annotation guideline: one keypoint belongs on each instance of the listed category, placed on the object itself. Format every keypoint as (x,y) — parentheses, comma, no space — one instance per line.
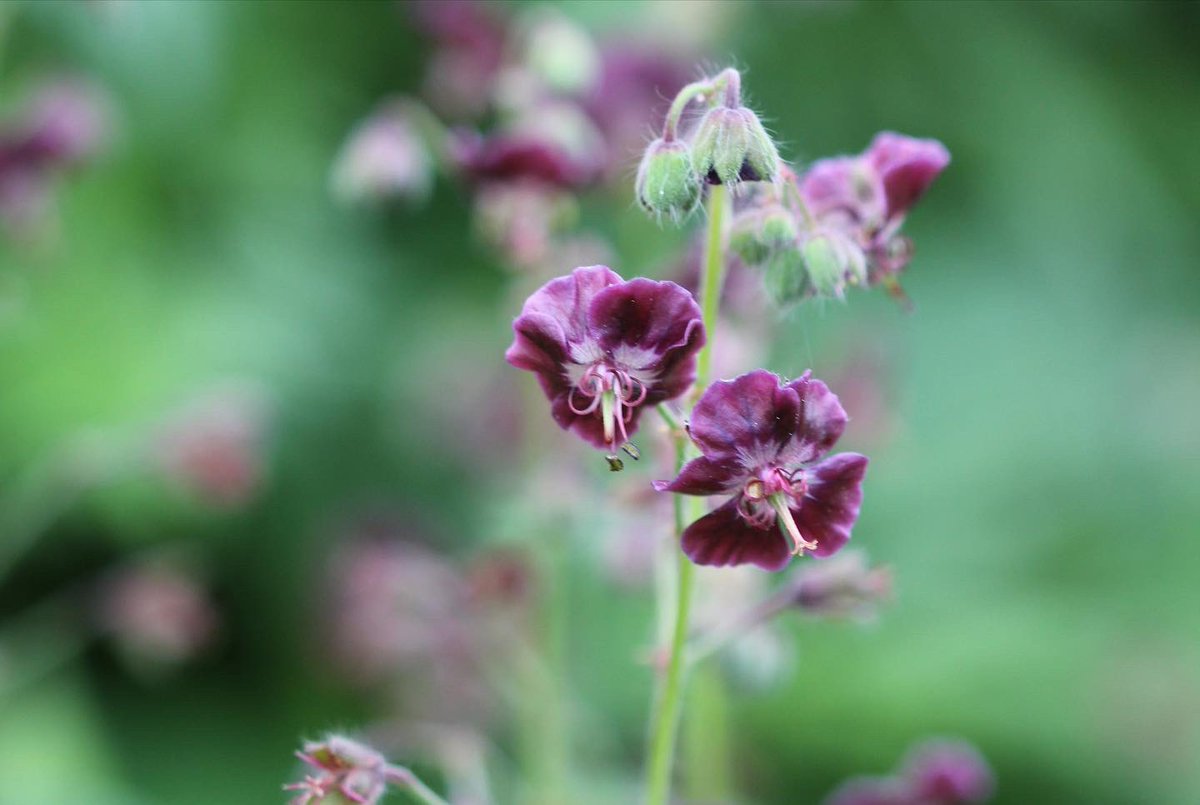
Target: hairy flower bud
(667,185)
(786,280)
(344,771)
(731,146)
(832,262)
(758,233)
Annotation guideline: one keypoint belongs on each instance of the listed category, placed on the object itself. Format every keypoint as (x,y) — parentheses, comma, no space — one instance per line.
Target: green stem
(665,725)
(714,277)
(797,200)
(706,749)
(666,721)
(405,779)
(682,99)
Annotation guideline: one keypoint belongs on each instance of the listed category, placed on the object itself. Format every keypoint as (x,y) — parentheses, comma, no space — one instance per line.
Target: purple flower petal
(651,327)
(832,502)
(707,476)
(907,166)
(751,416)
(820,423)
(554,319)
(723,537)
(845,185)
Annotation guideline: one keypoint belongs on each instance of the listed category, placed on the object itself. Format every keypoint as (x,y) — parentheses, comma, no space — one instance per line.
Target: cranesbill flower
(761,441)
(604,349)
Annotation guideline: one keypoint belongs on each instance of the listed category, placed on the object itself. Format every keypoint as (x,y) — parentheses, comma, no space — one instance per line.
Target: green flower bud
(757,233)
(667,186)
(832,262)
(731,146)
(786,280)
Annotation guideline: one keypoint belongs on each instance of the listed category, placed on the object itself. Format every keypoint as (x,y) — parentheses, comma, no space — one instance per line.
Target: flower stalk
(665,727)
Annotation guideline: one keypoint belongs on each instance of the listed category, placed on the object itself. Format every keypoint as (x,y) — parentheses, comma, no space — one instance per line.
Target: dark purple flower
(520,156)
(760,439)
(948,772)
(605,349)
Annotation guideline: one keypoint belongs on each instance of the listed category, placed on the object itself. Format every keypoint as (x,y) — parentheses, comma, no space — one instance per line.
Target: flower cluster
(939,772)
(838,224)
(604,349)
(563,112)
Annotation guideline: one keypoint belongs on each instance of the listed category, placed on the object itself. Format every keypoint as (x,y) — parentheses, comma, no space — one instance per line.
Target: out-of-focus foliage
(1032,425)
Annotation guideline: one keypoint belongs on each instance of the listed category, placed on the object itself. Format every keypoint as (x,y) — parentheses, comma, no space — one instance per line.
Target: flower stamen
(787,524)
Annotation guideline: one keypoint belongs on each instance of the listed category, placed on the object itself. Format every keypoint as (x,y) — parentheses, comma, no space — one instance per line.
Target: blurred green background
(1037,499)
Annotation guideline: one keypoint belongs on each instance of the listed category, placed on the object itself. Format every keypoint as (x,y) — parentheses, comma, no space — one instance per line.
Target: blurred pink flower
(213,447)
(158,613)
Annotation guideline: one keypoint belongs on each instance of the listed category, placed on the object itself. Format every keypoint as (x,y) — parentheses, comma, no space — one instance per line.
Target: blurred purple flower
(906,167)
(394,605)
(213,448)
(469,49)
(947,772)
(550,156)
(843,587)
(520,218)
(64,124)
(159,614)
(868,196)
(604,349)
(938,772)
(384,157)
(759,440)
(631,93)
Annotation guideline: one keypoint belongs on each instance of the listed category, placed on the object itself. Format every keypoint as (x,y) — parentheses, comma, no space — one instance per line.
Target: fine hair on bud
(786,280)
(731,146)
(667,185)
(758,232)
(832,262)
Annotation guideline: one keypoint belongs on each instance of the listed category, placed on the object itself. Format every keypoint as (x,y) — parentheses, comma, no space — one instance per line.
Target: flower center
(765,502)
(614,392)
